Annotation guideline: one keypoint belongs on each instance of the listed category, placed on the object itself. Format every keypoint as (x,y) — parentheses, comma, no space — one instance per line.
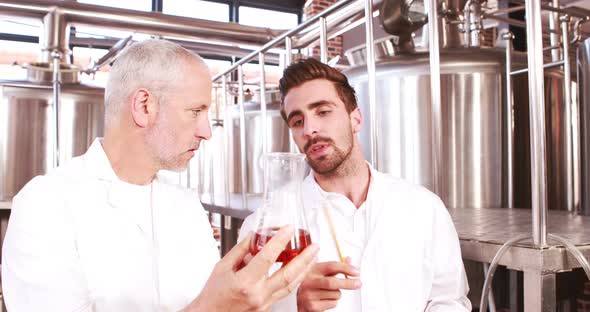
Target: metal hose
(492,269)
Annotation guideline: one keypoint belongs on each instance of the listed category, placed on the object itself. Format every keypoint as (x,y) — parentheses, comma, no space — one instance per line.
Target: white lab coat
(411,260)
(77,241)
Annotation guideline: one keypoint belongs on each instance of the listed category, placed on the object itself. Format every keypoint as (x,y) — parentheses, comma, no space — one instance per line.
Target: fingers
(320,305)
(261,263)
(236,255)
(319,294)
(285,280)
(334,283)
(334,268)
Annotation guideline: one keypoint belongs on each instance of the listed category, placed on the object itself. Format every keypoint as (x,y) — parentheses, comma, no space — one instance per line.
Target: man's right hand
(233,288)
(320,290)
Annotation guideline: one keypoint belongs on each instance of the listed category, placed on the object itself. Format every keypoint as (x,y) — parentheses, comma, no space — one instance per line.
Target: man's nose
(204,130)
(310,128)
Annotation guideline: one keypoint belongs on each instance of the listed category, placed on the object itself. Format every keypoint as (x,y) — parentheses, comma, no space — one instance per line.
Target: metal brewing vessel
(474,129)
(583,66)
(26,127)
(217,167)
(471,89)
(277,140)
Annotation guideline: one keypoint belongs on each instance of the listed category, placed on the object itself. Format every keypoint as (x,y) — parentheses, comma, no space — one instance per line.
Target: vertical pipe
(508,36)
(537,121)
(372,80)
(554,34)
(323,41)
(227,124)
(568,112)
(433,34)
(288,51)
(475,24)
(467,23)
(56,58)
(288,61)
(263,104)
(242,136)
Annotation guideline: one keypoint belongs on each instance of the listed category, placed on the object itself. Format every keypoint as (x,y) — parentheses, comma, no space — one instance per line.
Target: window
(96,32)
(216,66)
(197,9)
(19,53)
(139,5)
(267,18)
(16,26)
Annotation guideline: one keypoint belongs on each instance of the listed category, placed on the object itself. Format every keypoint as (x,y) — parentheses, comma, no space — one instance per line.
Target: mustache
(316,140)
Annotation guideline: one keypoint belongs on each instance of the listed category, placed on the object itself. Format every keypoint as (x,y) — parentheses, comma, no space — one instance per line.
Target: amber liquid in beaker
(301,239)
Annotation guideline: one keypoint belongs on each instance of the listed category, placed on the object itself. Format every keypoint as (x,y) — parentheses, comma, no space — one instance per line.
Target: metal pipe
(56,55)
(467,23)
(289,33)
(227,124)
(55,36)
(504,11)
(263,103)
(371,72)
(288,51)
(554,37)
(517,23)
(578,29)
(508,36)
(147,22)
(537,122)
(568,11)
(434,51)
(337,21)
(476,26)
(546,66)
(565,20)
(242,136)
(552,47)
(472,23)
(323,41)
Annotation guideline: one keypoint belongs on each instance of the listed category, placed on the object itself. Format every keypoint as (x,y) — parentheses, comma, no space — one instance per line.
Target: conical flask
(282,204)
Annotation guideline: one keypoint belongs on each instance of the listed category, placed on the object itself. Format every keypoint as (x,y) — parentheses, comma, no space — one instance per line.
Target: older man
(103,233)
(401,247)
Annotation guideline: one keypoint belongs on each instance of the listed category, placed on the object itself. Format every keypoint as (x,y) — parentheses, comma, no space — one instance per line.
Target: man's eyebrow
(293,114)
(309,106)
(198,106)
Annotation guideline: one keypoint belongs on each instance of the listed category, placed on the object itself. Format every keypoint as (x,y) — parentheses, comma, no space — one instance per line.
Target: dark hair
(309,69)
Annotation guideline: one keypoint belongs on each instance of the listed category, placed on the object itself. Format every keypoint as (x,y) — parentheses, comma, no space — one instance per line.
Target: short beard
(161,142)
(331,165)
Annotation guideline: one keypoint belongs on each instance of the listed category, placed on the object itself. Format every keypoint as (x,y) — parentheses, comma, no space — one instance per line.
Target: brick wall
(313,7)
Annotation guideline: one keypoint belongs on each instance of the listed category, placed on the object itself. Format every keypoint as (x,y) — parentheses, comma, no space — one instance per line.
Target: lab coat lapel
(97,165)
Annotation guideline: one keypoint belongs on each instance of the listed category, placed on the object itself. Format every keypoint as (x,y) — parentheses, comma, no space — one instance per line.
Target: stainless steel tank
(215,168)
(471,90)
(473,126)
(583,65)
(26,129)
(277,140)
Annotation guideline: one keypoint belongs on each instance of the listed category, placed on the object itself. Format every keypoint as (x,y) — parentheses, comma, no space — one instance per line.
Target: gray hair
(152,64)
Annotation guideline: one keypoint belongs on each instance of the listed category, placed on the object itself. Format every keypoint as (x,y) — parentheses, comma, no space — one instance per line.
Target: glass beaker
(282,204)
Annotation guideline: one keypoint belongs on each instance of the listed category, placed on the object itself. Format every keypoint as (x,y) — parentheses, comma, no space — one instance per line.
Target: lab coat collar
(98,166)
(97,163)
(319,193)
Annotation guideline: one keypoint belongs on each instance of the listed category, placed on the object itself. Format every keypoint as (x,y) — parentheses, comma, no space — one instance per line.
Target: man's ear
(356,120)
(142,107)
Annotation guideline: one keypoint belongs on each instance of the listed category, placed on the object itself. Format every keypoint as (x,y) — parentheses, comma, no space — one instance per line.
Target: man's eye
(324,112)
(296,123)
(195,112)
